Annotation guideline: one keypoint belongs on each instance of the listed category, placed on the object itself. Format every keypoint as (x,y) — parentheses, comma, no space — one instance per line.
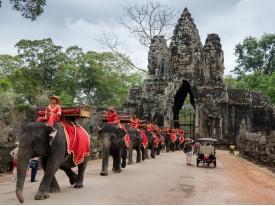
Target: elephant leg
(153,151)
(105,162)
(168,147)
(130,156)
(138,155)
(53,164)
(146,153)
(80,175)
(54,186)
(143,153)
(71,175)
(117,162)
(123,157)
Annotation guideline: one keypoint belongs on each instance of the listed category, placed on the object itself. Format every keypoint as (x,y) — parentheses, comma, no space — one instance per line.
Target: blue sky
(80,22)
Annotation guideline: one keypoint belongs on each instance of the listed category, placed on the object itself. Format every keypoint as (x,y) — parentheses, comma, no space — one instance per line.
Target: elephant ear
(121,133)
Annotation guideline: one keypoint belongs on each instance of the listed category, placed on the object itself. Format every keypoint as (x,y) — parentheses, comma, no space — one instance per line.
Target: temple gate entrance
(182,108)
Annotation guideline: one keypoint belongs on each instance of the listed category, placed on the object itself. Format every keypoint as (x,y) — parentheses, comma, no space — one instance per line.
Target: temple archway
(180,106)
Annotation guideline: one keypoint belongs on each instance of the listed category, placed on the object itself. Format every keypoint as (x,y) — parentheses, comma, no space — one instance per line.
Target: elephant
(158,146)
(151,146)
(136,143)
(114,145)
(34,141)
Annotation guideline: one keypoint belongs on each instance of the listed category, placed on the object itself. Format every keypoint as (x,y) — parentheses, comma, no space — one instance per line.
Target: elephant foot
(41,195)
(130,163)
(54,189)
(116,170)
(123,165)
(72,181)
(153,156)
(103,173)
(138,161)
(78,185)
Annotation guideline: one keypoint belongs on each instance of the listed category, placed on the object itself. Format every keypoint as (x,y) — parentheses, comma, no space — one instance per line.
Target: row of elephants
(34,141)
(143,140)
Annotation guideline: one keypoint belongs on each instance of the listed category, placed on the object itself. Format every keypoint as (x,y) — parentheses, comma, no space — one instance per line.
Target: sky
(82,22)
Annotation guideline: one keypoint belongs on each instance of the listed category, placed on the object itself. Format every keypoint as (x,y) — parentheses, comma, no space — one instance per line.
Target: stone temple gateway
(187,67)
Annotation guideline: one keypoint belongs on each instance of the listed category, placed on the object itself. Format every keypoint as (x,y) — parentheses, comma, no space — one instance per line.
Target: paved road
(165,180)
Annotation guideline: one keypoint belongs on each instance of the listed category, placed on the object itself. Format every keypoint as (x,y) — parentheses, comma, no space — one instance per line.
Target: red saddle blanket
(144,139)
(173,137)
(78,141)
(127,140)
(156,140)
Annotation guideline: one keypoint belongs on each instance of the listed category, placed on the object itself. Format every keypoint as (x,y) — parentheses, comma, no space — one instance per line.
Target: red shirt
(112,117)
(56,109)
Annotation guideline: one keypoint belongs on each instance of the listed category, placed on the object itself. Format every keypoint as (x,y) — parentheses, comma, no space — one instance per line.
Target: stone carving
(210,116)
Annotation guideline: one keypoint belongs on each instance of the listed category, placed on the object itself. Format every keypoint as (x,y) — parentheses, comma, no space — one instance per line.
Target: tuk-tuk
(207,152)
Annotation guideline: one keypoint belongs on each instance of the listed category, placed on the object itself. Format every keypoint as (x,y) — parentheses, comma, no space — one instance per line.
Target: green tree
(255,55)
(42,58)
(29,9)
(106,79)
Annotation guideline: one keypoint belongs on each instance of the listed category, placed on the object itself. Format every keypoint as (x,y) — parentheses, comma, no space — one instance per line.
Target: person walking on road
(34,168)
(14,153)
(187,149)
(231,149)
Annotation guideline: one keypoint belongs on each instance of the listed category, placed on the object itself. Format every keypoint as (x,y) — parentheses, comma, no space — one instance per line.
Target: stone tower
(186,49)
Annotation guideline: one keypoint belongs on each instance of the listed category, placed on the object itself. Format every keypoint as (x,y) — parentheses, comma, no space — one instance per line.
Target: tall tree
(143,22)
(255,55)
(29,9)
(148,20)
(42,58)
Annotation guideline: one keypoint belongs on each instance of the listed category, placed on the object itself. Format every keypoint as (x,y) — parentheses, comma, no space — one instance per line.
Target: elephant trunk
(22,166)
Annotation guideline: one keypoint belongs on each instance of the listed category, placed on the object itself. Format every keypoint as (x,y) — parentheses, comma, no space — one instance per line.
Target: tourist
(187,148)
(197,146)
(231,149)
(34,168)
(14,153)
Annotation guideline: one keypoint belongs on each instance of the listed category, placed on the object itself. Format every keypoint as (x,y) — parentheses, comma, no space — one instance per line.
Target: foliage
(29,9)
(256,81)
(255,55)
(42,68)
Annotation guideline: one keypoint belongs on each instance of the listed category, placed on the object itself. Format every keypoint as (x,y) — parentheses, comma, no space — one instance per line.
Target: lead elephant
(114,145)
(34,141)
